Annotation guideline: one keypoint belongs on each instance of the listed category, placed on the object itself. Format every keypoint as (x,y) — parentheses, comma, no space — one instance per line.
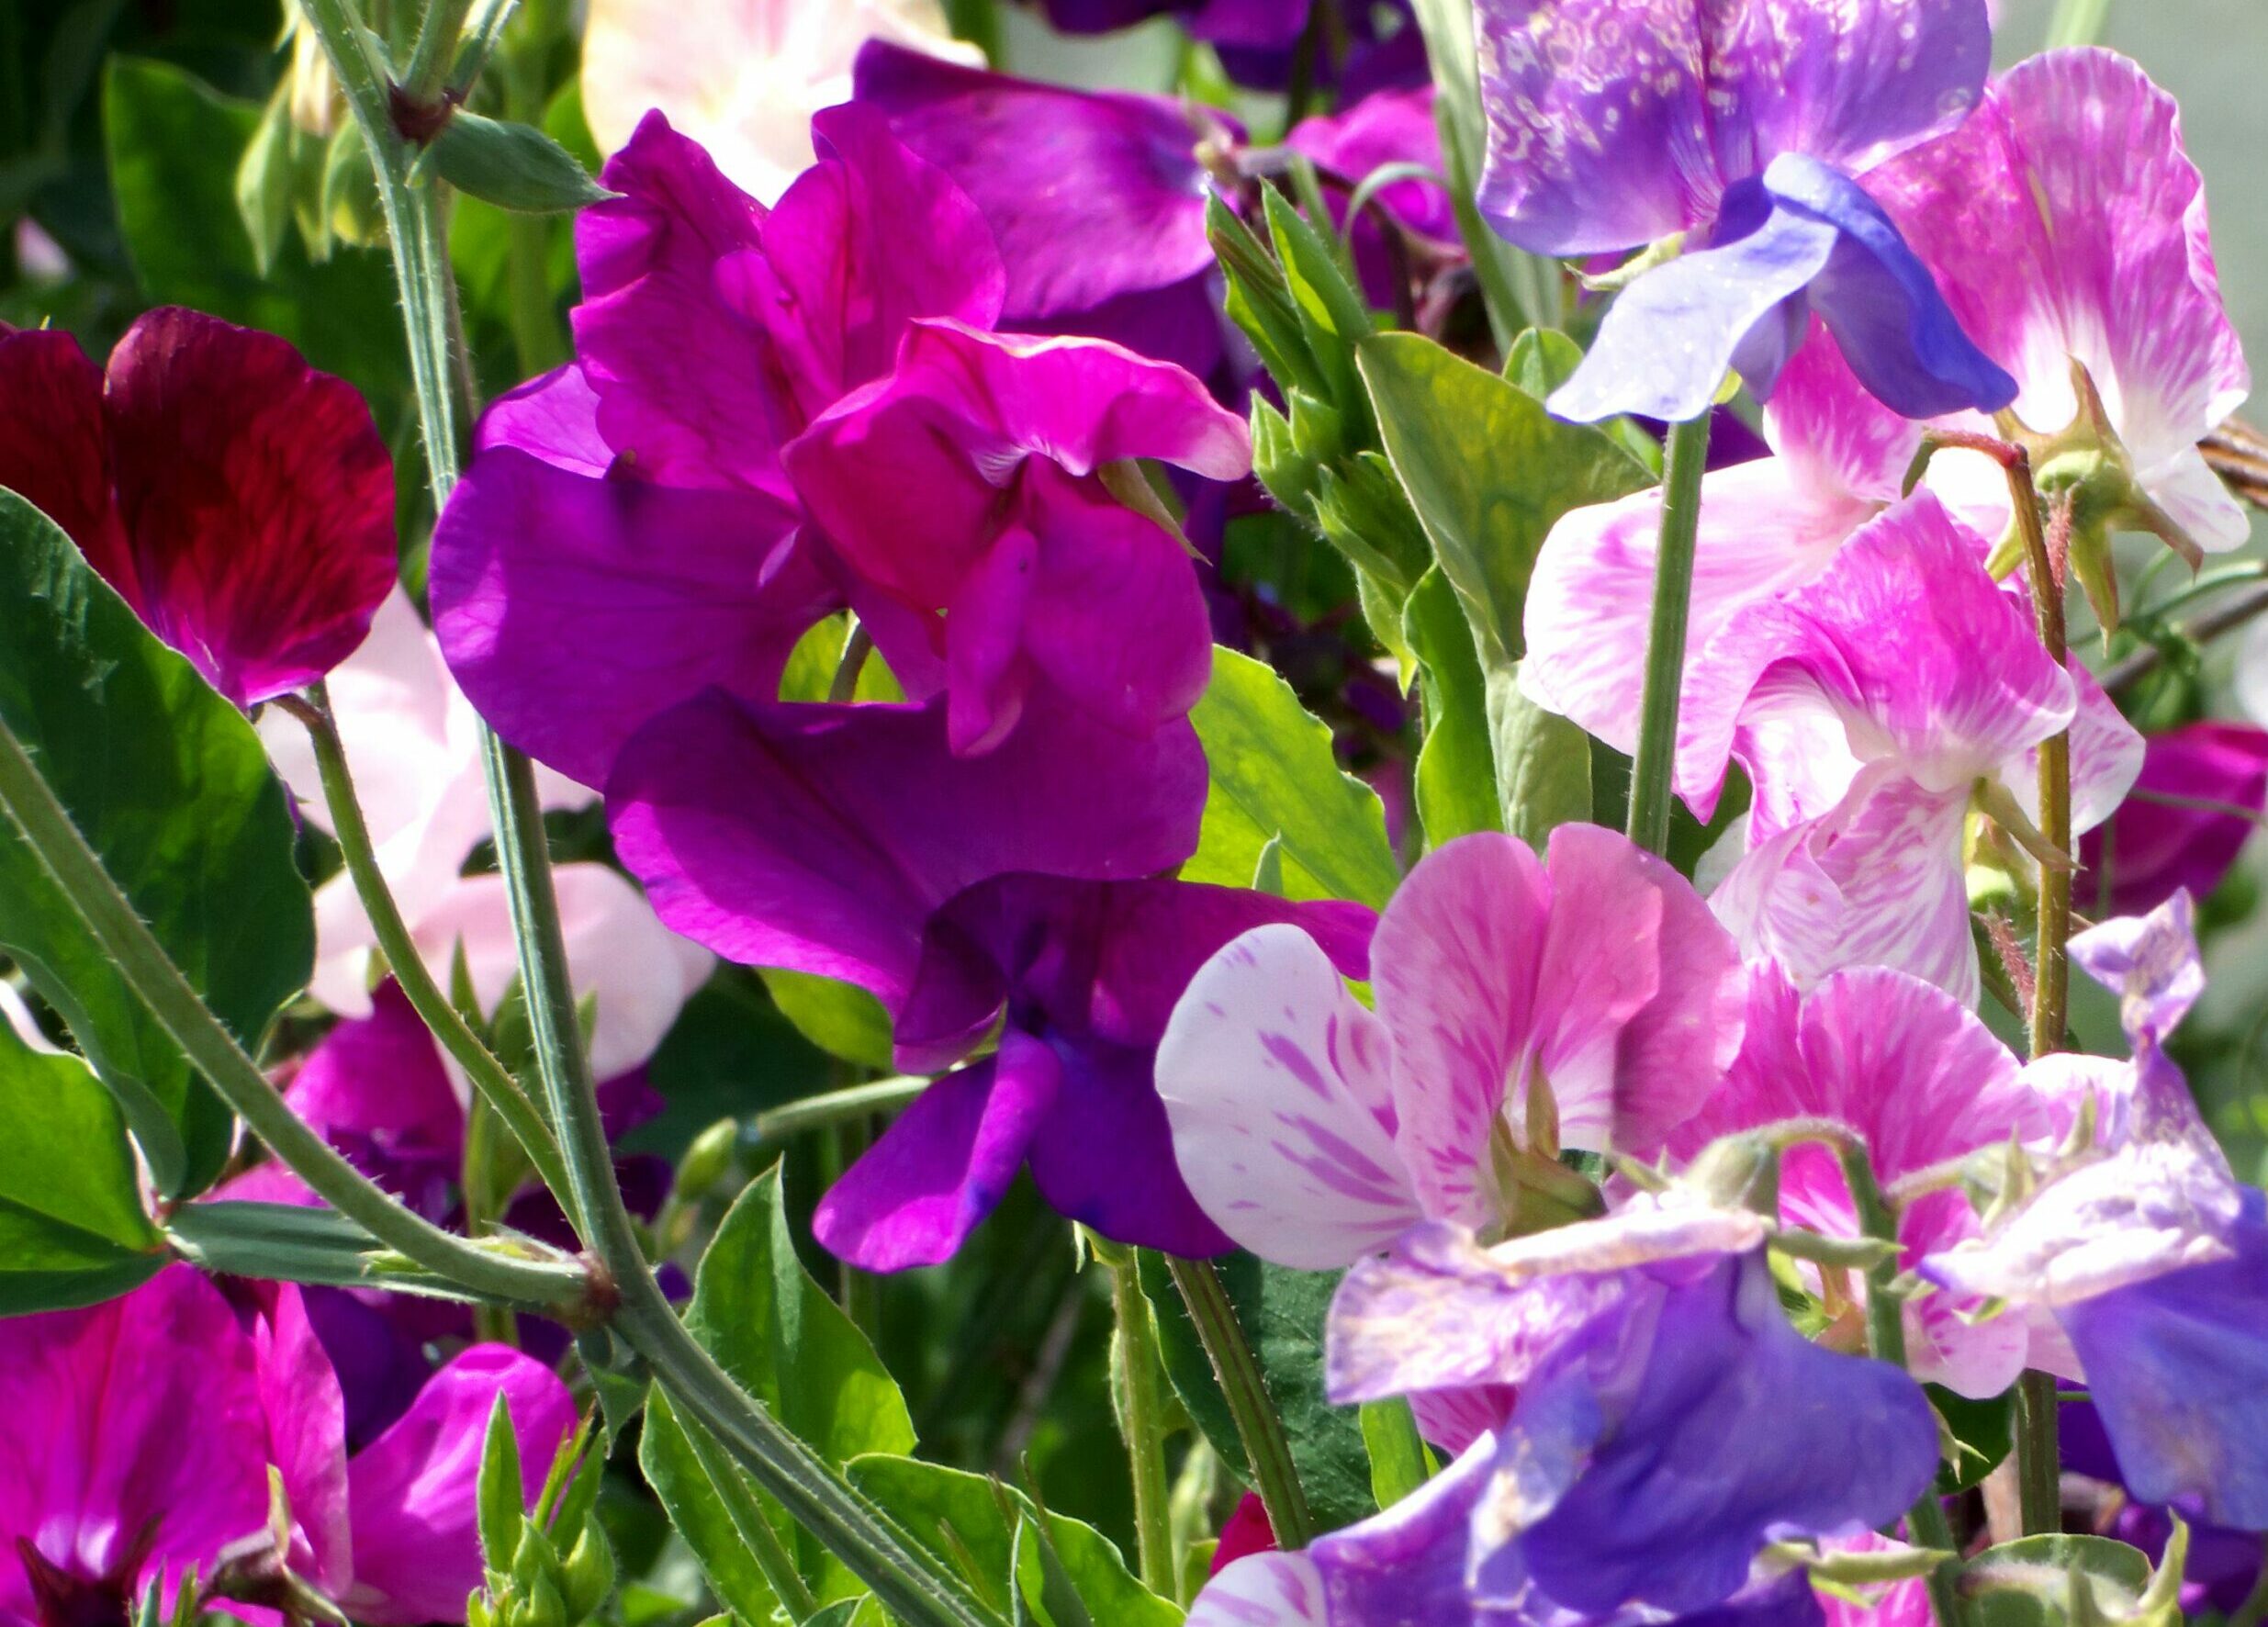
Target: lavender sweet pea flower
(1315,1132)
(1868,706)
(2211,776)
(1644,1345)
(2152,1258)
(1614,123)
(1903,1065)
(1080,977)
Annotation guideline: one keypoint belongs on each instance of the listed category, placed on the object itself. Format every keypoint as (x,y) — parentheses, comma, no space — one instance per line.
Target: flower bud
(707,1160)
(588,1575)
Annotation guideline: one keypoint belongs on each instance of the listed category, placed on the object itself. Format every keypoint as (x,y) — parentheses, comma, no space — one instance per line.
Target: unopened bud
(1738,1172)
(588,1575)
(707,1160)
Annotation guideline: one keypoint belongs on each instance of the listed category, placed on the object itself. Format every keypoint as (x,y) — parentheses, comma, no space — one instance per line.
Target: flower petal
(1106,1157)
(554,416)
(1278,1087)
(54,446)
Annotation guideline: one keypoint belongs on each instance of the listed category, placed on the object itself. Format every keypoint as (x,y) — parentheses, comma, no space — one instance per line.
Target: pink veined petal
(919,1191)
(1455,963)
(1763,531)
(1878,882)
(1264,1590)
(2064,220)
(1953,1339)
(2106,757)
(1453,1419)
(1837,439)
(417,1552)
(1279,1089)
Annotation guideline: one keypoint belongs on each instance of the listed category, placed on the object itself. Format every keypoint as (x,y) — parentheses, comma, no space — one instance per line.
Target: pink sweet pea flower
(742,77)
(1314,1131)
(242,502)
(136,1440)
(1869,708)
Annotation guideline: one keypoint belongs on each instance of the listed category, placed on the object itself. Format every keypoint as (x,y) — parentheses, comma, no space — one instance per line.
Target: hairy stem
(756,1532)
(1684,457)
(488,1076)
(111,920)
(1926,1522)
(1266,1448)
(1139,1389)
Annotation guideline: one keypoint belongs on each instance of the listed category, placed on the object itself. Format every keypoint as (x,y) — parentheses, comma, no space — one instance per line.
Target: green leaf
(1274,775)
(1456,776)
(266,179)
(697,1510)
(1399,1462)
(498,1507)
(513,166)
(169,784)
(72,1229)
(1984,1430)
(1542,762)
(1281,1312)
(2029,1583)
(790,1345)
(840,1018)
(965,1519)
(1542,360)
(174,145)
(1488,472)
(291,1243)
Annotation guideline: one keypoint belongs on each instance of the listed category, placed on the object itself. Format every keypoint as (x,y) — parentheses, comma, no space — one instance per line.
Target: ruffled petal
(54,446)
(1106,1157)
(916,1194)
(1278,1087)
(554,416)
(256,502)
(572,610)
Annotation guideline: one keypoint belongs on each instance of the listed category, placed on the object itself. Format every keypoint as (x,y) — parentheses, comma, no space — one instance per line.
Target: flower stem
(1684,457)
(110,919)
(1267,1450)
(488,1076)
(1137,1387)
(836,1107)
(755,1530)
(1926,1522)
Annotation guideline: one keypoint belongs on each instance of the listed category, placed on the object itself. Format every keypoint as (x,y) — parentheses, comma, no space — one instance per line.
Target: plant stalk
(1139,1389)
(1926,1522)
(1267,1450)
(756,1532)
(111,920)
(1684,458)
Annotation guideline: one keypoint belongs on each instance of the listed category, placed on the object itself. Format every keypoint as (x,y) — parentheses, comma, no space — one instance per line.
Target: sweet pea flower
(2183,824)
(242,502)
(742,77)
(1643,1346)
(1080,978)
(1904,1067)
(2069,227)
(2150,1257)
(1748,130)
(1315,1132)
(1870,706)
(140,1435)
(412,745)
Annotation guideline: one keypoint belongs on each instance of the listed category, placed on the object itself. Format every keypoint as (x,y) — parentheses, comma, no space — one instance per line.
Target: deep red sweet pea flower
(240,501)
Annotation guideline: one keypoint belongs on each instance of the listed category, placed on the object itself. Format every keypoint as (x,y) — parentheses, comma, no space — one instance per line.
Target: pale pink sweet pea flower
(742,77)
(1315,1132)
(412,743)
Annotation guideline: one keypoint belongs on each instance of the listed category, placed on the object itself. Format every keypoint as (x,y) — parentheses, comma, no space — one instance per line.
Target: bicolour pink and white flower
(742,77)
(412,743)
(1315,1130)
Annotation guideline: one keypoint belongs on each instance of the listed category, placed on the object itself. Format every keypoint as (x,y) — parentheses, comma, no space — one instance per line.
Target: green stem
(1267,1451)
(1139,1390)
(2078,22)
(1398,1464)
(1926,1522)
(488,1076)
(111,920)
(2040,1474)
(756,1532)
(435,51)
(1683,459)
(836,1107)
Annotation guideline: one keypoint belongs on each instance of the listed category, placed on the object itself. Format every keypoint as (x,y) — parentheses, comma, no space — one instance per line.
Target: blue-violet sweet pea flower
(1613,124)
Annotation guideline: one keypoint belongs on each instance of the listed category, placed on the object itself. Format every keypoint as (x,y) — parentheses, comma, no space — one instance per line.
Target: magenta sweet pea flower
(2069,226)
(1315,1132)
(2152,1258)
(1616,123)
(2211,776)
(140,1435)
(1080,978)
(1868,707)
(1900,1063)
(242,502)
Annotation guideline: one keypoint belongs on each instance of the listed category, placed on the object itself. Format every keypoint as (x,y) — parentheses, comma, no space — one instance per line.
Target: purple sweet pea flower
(2152,849)
(1903,1065)
(1669,1421)
(1614,123)
(1315,1132)
(140,1435)
(2150,1256)
(1388,126)
(1085,974)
